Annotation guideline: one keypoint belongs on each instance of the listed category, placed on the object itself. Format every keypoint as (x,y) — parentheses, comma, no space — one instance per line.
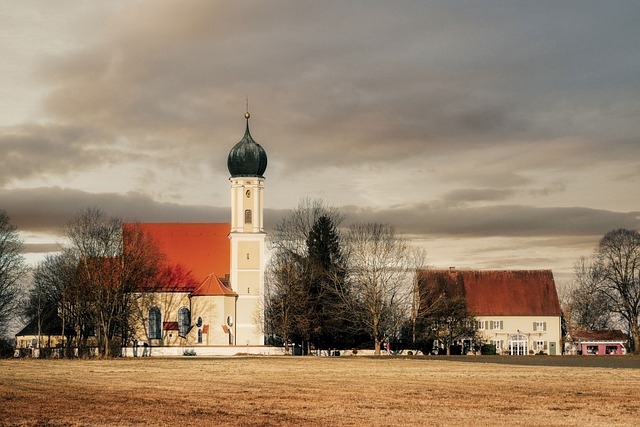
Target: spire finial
(247,115)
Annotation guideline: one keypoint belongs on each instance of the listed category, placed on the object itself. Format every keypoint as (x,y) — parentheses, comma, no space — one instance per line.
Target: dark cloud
(505,105)
(35,150)
(383,84)
(499,220)
(50,209)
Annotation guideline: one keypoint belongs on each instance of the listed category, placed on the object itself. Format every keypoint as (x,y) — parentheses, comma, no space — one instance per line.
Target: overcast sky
(497,134)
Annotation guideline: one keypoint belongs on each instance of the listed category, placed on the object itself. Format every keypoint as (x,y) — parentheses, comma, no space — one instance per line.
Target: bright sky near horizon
(496,134)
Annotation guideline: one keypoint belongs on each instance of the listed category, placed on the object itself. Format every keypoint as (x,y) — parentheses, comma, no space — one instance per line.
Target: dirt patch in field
(348,391)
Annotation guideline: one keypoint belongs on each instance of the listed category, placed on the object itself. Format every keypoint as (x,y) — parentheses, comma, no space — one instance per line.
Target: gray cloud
(171,73)
(50,209)
(528,108)
(33,150)
(499,220)
(477,195)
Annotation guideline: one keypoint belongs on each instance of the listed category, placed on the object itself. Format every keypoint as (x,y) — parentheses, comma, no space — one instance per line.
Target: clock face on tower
(248,193)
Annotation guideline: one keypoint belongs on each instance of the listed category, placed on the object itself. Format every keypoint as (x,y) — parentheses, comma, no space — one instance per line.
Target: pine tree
(326,275)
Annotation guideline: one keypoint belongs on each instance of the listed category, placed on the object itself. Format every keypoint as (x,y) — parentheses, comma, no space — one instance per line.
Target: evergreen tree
(326,275)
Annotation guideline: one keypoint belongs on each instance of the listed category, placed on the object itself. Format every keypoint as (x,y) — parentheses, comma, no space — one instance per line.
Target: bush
(6,348)
(488,350)
(455,350)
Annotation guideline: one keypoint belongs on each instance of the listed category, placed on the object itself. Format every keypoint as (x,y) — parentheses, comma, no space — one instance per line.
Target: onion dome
(247,157)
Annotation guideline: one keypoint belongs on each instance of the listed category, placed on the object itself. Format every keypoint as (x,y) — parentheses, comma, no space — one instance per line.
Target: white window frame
(539,326)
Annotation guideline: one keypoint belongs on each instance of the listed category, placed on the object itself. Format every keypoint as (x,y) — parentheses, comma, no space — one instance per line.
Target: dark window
(155,324)
(184,321)
(199,336)
(247,216)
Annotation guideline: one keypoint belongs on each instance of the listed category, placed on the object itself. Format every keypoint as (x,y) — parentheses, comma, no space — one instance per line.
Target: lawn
(352,391)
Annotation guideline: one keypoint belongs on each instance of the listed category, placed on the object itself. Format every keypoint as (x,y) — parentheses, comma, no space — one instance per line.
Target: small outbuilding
(596,343)
(31,339)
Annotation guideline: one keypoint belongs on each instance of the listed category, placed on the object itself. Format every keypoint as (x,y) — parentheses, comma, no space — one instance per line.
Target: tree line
(326,286)
(605,293)
(89,289)
(329,287)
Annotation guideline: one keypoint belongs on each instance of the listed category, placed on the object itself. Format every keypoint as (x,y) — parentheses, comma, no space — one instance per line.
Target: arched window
(247,216)
(199,336)
(184,321)
(155,324)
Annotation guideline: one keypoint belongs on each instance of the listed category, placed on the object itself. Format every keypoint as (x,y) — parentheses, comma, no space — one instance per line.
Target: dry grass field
(347,391)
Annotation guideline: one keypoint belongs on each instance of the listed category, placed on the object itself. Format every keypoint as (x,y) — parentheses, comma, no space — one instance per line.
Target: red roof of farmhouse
(604,335)
(499,292)
(194,250)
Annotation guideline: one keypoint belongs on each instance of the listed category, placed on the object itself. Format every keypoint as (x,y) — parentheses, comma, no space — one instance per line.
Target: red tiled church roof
(499,292)
(198,249)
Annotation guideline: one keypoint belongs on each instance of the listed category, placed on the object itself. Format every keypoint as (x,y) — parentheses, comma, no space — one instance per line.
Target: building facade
(596,343)
(516,310)
(211,294)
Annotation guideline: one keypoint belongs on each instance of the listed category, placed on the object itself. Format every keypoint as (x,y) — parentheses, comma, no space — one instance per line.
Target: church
(212,302)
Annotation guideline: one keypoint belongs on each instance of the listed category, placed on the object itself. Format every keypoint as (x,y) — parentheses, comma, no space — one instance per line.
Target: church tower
(247,162)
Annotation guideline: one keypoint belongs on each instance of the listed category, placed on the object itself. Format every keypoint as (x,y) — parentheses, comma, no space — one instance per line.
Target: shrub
(488,350)
(6,347)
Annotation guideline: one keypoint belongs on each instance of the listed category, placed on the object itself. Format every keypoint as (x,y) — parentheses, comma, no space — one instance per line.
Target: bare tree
(170,280)
(442,312)
(285,297)
(47,300)
(584,303)
(291,233)
(12,270)
(618,262)
(381,269)
(112,263)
